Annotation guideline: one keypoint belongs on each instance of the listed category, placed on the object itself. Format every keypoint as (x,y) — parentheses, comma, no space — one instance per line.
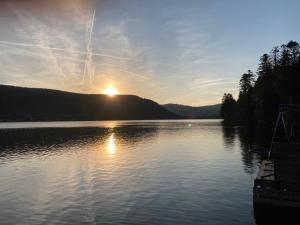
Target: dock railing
(287,126)
(285,148)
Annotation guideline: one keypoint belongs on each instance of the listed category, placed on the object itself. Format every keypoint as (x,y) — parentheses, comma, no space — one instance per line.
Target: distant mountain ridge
(36,104)
(191,112)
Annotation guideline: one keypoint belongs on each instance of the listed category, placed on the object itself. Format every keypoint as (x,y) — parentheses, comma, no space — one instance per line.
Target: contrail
(89,52)
(61,50)
(31,45)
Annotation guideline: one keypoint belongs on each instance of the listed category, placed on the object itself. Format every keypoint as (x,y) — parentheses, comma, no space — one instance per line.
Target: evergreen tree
(246,82)
(228,108)
(245,105)
(285,58)
(264,94)
(278,82)
(294,51)
(275,56)
(265,65)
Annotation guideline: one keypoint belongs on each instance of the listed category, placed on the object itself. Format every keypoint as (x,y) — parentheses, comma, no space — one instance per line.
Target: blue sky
(187,52)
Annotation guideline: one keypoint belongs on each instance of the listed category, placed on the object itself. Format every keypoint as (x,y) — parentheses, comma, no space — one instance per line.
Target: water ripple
(151,172)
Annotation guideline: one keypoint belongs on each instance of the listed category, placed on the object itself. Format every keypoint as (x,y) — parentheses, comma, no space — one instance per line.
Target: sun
(111,91)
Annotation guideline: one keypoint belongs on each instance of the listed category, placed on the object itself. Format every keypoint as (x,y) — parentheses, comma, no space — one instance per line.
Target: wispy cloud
(202,82)
(42,35)
(163,51)
(89,68)
(2,42)
(60,48)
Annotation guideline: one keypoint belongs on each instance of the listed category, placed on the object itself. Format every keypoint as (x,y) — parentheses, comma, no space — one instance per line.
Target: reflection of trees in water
(249,139)
(246,140)
(38,141)
(271,215)
(229,135)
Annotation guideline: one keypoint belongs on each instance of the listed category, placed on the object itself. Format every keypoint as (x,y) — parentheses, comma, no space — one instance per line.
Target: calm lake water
(126,172)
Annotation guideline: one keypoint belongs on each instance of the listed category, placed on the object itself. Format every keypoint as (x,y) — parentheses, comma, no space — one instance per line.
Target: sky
(171,51)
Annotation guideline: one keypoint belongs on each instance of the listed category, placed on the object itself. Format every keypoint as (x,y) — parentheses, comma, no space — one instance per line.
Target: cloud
(151,49)
(60,48)
(202,82)
(89,68)
(42,35)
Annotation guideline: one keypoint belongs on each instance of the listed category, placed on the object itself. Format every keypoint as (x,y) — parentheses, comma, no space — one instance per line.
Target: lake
(126,172)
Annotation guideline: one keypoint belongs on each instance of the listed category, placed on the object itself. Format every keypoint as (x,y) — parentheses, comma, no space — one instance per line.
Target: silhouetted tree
(245,105)
(278,82)
(228,108)
(246,82)
(275,56)
(264,94)
(265,65)
(294,50)
(285,56)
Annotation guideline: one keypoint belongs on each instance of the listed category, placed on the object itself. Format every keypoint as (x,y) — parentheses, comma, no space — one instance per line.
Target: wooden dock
(278,181)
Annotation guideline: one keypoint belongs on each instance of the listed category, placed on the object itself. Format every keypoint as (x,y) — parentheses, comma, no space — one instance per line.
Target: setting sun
(111,91)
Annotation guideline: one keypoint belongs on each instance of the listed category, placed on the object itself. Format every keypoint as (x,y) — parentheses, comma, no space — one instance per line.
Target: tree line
(277,81)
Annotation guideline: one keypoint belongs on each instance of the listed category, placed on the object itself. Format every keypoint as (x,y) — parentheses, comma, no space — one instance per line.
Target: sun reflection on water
(111,145)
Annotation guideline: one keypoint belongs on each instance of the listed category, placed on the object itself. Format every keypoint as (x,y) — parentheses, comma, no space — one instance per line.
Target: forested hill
(276,82)
(190,112)
(34,104)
